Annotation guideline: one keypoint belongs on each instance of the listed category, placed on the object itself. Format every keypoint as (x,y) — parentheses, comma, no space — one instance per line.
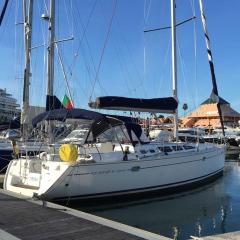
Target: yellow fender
(68,152)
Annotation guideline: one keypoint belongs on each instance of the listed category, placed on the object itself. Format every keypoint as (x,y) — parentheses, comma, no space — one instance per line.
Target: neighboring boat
(192,135)
(111,156)
(231,141)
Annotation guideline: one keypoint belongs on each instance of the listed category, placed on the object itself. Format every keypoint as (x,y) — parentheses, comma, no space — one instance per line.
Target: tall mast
(50,62)
(27,13)
(174,65)
(51,39)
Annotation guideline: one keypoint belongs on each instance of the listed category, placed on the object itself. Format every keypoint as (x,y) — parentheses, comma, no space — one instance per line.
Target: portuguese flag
(67,103)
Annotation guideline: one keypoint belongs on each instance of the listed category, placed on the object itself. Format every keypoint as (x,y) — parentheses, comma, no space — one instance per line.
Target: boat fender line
(15,148)
(126,152)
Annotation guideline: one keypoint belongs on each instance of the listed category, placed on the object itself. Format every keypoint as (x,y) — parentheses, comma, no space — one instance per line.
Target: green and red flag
(67,103)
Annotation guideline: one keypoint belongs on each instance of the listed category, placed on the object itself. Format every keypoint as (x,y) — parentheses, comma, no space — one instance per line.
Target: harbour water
(208,210)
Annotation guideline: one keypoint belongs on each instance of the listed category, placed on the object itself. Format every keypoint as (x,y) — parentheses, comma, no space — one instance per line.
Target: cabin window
(114,134)
(177,148)
(134,137)
(79,135)
(143,151)
(165,149)
(152,151)
(188,147)
(121,134)
(107,136)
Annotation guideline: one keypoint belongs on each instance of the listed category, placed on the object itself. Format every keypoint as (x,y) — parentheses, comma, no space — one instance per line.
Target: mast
(214,94)
(50,59)
(51,39)
(174,65)
(27,13)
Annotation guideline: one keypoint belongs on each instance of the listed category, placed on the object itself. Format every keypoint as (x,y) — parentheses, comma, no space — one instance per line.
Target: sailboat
(111,156)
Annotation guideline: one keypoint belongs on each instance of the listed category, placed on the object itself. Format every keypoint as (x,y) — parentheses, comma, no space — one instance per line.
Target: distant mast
(174,65)
(27,14)
(214,94)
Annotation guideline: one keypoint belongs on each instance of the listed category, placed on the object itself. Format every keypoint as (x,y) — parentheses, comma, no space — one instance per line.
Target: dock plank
(27,220)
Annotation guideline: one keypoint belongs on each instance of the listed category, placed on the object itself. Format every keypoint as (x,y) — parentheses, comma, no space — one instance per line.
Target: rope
(64,72)
(1,170)
(192,2)
(83,36)
(147,10)
(78,22)
(104,47)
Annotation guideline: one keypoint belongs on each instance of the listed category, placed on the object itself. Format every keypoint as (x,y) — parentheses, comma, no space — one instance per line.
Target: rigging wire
(145,16)
(3,11)
(7,14)
(64,72)
(135,66)
(16,41)
(124,65)
(147,10)
(46,7)
(38,57)
(68,18)
(89,49)
(192,2)
(83,35)
(19,46)
(165,63)
(104,47)
(76,22)
(183,71)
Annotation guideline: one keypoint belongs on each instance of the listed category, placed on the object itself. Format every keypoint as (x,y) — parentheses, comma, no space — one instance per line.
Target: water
(212,209)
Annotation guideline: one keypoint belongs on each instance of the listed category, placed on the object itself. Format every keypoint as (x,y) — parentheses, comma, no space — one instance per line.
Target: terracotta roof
(207,114)
(212,100)
(210,110)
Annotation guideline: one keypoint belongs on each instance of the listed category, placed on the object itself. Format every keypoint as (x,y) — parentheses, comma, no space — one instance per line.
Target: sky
(111,54)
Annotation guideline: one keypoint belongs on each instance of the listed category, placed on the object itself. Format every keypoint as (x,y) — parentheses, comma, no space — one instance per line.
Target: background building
(207,115)
(9,107)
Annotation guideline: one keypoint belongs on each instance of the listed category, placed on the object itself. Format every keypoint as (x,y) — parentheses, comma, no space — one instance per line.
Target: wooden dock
(28,219)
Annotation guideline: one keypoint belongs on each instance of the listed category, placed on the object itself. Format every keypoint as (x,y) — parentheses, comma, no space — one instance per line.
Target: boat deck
(28,219)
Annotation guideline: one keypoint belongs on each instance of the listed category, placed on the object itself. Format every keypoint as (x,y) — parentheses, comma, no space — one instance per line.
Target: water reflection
(212,209)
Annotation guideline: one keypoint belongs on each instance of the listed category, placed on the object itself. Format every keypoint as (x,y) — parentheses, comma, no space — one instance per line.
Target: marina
(111,155)
(131,151)
(209,212)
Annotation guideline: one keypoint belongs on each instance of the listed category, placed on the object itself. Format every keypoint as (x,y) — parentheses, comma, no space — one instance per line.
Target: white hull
(60,180)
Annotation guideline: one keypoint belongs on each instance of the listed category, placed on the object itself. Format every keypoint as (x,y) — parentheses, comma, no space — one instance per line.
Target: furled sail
(163,105)
(214,95)
(3,11)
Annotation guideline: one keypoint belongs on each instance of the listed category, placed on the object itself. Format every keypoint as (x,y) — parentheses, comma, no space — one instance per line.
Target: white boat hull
(60,180)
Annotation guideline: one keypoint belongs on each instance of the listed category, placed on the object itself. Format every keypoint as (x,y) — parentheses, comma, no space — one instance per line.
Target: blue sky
(134,63)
